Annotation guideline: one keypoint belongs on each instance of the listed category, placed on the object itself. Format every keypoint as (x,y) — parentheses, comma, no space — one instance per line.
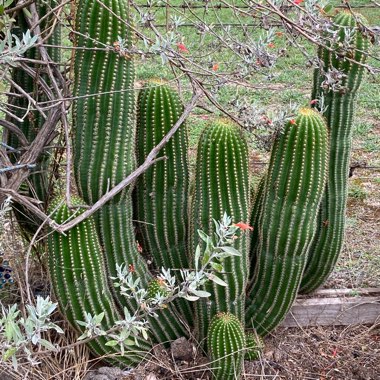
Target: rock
(182,349)
(106,373)
(151,376)
(4,375)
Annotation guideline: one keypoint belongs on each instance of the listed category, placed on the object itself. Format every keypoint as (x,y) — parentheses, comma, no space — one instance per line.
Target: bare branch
(15,130)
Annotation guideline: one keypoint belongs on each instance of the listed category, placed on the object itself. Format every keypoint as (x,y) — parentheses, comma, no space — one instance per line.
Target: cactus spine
(79,281)
(226,342)
(328,240)
(294,186)
(221,185)
(162,191)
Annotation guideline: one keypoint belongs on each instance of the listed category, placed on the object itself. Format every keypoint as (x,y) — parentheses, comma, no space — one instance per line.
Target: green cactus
(256,200)
(221,186)
(104,140)
(328,240)
(162,191)
(76,266)
(39,183)
(156,287)
(103,123)
(226,345)
(254,345)
(294,186)
(103,111)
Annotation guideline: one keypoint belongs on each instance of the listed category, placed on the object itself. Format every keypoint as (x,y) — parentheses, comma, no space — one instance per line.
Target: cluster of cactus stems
(285,216)
(339,112)
(261,283)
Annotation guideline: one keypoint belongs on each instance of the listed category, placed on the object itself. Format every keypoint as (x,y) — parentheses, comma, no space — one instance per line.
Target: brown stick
(16,130)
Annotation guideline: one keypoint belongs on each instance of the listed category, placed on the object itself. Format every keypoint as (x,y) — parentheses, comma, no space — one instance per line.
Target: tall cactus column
(103,120)
(286,212)
(162,192)
(104,137)
(221,186)
(328,241)
(103,113)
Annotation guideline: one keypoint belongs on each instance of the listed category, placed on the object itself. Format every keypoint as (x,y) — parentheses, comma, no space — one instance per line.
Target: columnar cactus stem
(39,182)
(162,192)
(293,190)
(226,344)
(103,120)
(104,138)
(328,240)
(221,186)
(103,112)
(80,284)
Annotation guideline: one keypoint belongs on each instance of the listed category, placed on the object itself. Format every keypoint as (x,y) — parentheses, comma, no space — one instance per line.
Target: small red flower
(215,67)
(116,45)
(314,101)
(243,226)
(298,2)
(131,268)
(293,122)
(271,45)
(182,47)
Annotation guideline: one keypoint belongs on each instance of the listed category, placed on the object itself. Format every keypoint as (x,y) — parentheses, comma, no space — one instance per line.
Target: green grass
(289,81)
(357,191)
